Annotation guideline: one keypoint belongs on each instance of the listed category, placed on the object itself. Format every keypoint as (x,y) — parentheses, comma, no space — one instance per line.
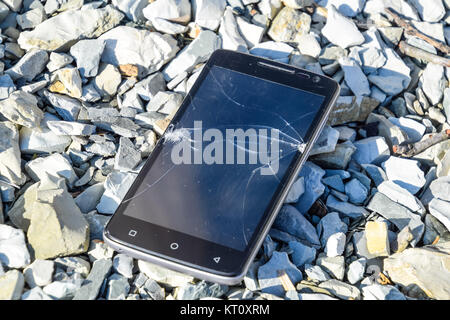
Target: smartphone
(207,195)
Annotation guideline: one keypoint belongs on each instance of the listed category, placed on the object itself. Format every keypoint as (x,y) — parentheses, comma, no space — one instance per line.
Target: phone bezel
(195,255)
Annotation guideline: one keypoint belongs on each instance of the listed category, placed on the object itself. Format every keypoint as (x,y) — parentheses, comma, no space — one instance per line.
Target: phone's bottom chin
(197,272)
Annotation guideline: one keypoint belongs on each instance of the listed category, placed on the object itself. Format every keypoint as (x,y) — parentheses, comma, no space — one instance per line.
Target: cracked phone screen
(221,164)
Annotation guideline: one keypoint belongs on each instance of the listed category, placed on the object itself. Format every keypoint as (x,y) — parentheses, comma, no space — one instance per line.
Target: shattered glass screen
(222,163)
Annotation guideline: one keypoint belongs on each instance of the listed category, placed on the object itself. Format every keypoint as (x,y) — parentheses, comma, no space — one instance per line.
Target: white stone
(415,130)
(309,45)
(87,54)
(172,10)
(165,26)
(107,81)
(59,31)
(13,250)
(278,51)
(11,284)
(335,244)
(42,141)
(208,12)
(123,264)
(340,30)
(400,6)
(430,10)
(356,270)
(31,18)
(251,33)
(21,108)
(61,290)
(39,273)
(10,162)
(58,60)
(35,294)
(132,8)
(6,86)
(71,128)
(326,142)
(148,50)
(349,8)
(116,185)
(433,82)
(400,195)
(404,172)
(55,165)
(229,32)
(67,81)
(440,209)
(371,150)
(196,52)
(354,77)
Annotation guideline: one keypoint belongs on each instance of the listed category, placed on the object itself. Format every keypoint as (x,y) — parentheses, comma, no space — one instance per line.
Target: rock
(55,165)
(31,18)
(196,52)
(375,173)
(398,215)
(391,133)
(97,223)
(66,81)
(71,128)
(315,273)
(326,141)
(329,225)
(91,287)
(338,159)
(297,189)
(99,250)
(132,9)
(29,66)
(58,31)
(301,254)
(90,197)
(68,108)
(434,230)
(433,82)
(356,191)
(208,12)
(58,61)
(313,186)
(52,6)
(354,77)
(394,76)
(446,103)
(400,6)
(42,141)
(251,33)
(6,86)
(349,8)
(4,11)
(154,291)
(411,269)
(13,250)
(12,283)
(118,287)
(355,271)
(400,195)
(289,24)
(440,209)
(39,273)
(123,264)
(340,30)
(73,265)
(314,296)
(55,216)
(60,290)
(116,185)
(430,11)
(35,294)
(107,81)
(21,108)
(278,51)
(349,109)
(309,45)
(268,277)
(163,275)
(413,129)
(335,266)
(404,172)
(334,182)
(335,244)
(87,54)
(341,289)
(347,209)
(379,292)
(371,150)
(229,32)
(201,290)
(10,162)
(293,222)
(377,238)
(404,237)
(165,102)
(147,50)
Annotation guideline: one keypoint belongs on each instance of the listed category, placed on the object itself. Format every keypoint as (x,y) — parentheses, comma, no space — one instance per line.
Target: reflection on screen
(221,164)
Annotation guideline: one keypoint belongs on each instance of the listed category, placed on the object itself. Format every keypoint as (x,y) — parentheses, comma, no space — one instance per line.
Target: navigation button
(216,259)
(174,246)
(132,233)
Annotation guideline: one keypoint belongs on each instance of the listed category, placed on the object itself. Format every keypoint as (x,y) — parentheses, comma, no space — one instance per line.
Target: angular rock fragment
(21,108)
(29,66)
(13,250)
(10,167)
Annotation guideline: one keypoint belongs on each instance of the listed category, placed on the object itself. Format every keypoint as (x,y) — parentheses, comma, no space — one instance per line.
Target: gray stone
(99,250)
(147,50)
(412,128)
(31,18)
(71,128)
(301,254)
(208,13)
(371,150)
(379,292)
(73,265)
(12,284)
(391,133)
(335,266)
(329,225)
(313,186)
(334,182)
(154,291)
(127,157)
(341,289)
(355,271)
(35,294)
(116,186)
(91,287)
(201,290)
(68,108)
(354,77)
(29,66)
(58,32)
(10,162)
(21,108)
(4,11)
(411,268)
(400,195)
(60,290)
(375,173)
(123,264)
(268,277)
(340,30)
(440,209)
(196,52)
(251,33)
(293,222)
(434,230)
(326,141)
(97,223)
(118,287)
(87,54)
(58,60)
(397,214)
(6,86)
(107,148)
(13,250)
(55,165)
(349,109)
(278,51)
(347,209)
(404,172)
(165,102)
(446,103)
(297,189)
(356,191)
(90,197)
(315,273)
(39,273)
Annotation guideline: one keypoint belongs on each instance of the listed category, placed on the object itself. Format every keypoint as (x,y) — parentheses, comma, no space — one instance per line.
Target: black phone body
(204,200)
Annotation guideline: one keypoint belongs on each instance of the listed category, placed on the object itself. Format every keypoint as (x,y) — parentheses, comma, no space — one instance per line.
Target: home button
(174,246)
(216,259)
